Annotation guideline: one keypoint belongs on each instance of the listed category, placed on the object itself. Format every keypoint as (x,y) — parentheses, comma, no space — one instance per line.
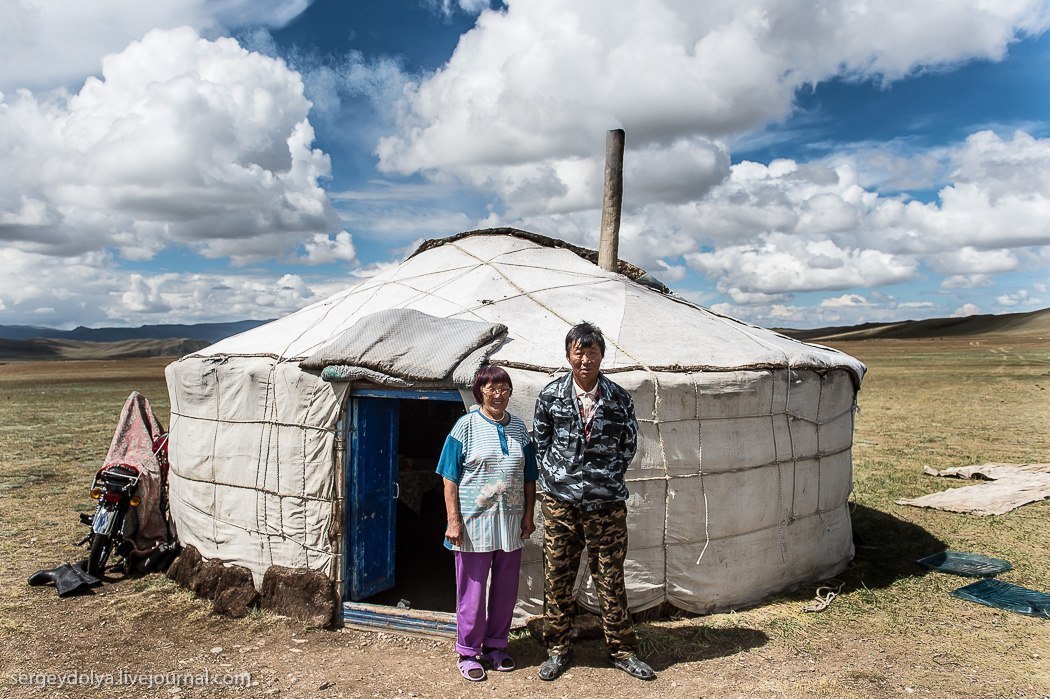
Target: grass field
(942,403)
(894,629)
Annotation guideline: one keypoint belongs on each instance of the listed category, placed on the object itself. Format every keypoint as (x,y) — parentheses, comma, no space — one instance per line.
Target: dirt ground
(108,634)
(894,630)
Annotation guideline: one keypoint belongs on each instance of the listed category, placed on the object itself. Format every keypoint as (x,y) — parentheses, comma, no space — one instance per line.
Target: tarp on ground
(1006,487)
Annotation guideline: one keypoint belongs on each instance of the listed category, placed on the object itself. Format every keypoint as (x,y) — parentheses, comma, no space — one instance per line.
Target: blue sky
(209,160)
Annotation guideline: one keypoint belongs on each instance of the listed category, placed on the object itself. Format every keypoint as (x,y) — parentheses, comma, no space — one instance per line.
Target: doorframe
(449,395)
(361,614)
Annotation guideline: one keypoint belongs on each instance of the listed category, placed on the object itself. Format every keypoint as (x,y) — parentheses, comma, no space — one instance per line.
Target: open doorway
(396,509)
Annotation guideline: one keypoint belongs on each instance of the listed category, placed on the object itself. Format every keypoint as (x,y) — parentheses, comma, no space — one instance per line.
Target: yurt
(310,442)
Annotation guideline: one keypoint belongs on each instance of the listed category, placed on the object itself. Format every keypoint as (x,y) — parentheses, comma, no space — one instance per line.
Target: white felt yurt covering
(739,488)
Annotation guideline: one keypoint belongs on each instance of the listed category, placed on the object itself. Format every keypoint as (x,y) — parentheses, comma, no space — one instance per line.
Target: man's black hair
(585,335)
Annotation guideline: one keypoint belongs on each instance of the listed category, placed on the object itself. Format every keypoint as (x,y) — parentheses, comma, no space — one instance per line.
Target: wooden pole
(609,244)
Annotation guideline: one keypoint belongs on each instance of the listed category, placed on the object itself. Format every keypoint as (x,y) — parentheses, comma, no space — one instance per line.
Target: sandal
(471,669)
(499,660)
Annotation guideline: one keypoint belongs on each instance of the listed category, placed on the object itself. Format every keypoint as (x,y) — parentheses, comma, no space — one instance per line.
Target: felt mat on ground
(1004,595)
(1007,486)
(973,565)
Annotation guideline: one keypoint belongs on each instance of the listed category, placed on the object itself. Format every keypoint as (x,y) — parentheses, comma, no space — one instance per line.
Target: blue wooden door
(371,515)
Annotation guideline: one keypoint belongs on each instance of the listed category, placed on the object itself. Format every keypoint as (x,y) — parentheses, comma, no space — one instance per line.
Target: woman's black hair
(490,374)
(585,335)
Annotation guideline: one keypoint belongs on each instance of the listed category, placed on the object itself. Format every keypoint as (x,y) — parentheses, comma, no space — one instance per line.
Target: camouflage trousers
(565,532)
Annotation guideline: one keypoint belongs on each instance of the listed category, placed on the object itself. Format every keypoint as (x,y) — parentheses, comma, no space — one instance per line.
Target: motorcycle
(115,520)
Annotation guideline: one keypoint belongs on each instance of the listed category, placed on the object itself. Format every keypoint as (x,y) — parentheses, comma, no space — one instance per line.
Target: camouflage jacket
(588,472)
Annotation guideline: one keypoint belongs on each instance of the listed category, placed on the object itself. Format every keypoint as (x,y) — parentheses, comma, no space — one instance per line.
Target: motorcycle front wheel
(100,546)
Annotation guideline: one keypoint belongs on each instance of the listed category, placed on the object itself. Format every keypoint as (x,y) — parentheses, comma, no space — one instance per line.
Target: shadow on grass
(887,549)
(659,646)
(663,647)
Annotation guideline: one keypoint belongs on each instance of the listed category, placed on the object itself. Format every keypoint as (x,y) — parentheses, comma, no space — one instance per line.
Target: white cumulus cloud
(788,226)
(184,139)
(323,249)
(846,301)
(971,261)
(777,263)
(966,281)
(44,43)
(967,309)
(1021,297)
(522,106)
(541,78)
(92,289)
(143,295)
(181,140)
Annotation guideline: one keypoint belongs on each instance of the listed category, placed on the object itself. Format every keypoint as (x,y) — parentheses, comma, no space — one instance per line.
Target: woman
(489,469)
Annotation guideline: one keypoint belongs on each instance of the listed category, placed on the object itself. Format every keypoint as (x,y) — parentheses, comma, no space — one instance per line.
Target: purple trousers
(480,621)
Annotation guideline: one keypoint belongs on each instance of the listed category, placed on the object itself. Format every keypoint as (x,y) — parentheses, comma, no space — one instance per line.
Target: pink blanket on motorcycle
(140,441)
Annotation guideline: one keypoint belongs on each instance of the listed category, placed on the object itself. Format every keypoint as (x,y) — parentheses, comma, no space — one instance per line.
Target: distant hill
(1036,323)
(210,333)
(26,342)
(49,348)
(30,342)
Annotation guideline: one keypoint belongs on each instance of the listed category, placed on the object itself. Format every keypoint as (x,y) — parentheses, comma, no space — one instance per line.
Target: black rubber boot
(72,580)
(42,577)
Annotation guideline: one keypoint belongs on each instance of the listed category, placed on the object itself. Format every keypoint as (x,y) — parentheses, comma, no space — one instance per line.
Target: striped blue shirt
(491,464)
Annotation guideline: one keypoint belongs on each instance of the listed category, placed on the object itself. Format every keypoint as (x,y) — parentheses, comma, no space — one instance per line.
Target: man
(585,434)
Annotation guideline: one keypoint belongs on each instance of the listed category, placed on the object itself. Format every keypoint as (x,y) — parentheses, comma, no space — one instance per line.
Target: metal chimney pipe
(612,204)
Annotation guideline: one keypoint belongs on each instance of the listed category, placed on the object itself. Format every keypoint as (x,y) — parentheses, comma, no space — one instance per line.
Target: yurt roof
(539,287)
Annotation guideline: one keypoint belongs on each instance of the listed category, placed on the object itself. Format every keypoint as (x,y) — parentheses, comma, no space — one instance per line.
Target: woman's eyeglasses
(496,391)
